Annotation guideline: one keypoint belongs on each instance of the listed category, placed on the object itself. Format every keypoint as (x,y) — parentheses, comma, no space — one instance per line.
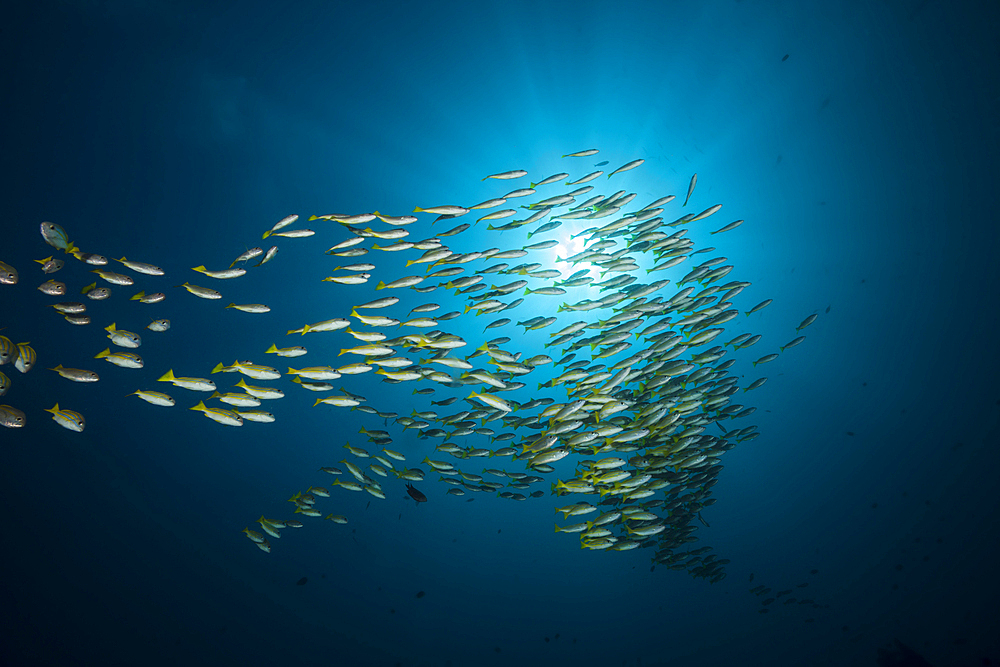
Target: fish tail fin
(167,377)
(138,296)
(219,367)
(200,407)
(101,355)
(266,234)
(381,285)
(199,269)
(231,305)
(271,349)
(305,329)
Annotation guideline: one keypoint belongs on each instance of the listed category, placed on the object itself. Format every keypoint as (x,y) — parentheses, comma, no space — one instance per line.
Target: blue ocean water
(857,139)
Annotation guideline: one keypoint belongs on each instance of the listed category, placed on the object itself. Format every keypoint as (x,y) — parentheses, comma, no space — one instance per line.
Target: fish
(295,233)
(266,393)
(114,278)
(296,351)
(123,338)
(142,297)
(626,167)
(554,178)
(224,274)
(338,401)
(158,325)
(56,237)
(202,292)
(52,288)
(237,399)
(284,222)
(762,304)
(729,227)
(268,256)
(250,307)
(317,373)
(26,357)
(8,351)
(626,425)
(415,494)
(11,417)
(50,265)
(154,397)
(766,358)
(694,181)
(397,219)
(793,343)
(140,267)
(89,257)
(8,274)
(507,175)
(95,293)
(380,303)
(226,417)
(68,419)
(585,153)
(76,374)
(259,416)
(806,322)
(326,325)
(347,219)
(498,215)
(586,179)
(254,371)
(122,359)
(194,384)
(247,256)
(447,209)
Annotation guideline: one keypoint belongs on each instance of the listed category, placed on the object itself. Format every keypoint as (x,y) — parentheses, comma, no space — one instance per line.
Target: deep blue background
(175,133)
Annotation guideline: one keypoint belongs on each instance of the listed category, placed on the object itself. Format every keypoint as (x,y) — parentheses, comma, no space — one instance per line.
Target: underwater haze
(577,461)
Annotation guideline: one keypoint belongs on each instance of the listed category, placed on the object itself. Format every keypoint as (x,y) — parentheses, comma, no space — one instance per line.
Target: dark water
(859,142)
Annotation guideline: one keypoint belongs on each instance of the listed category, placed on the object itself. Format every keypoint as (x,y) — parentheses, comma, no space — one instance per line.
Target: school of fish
(628,419)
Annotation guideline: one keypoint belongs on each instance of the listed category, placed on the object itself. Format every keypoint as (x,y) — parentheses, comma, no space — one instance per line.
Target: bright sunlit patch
(568,247)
